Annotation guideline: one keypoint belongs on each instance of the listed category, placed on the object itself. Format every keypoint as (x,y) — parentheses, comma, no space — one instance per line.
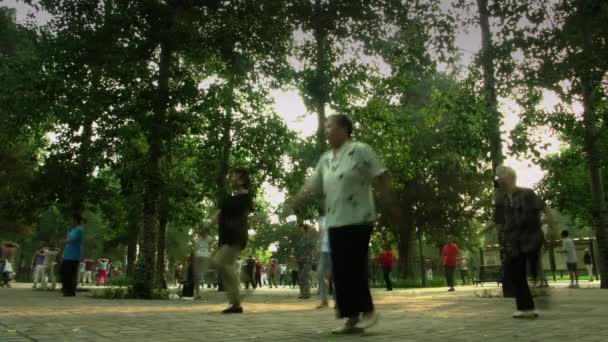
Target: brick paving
(276,315)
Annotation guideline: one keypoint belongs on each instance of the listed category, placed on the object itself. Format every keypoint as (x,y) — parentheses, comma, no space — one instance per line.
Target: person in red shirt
(449,254)
(387,259)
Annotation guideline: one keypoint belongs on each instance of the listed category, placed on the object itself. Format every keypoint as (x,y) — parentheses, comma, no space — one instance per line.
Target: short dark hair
(343,121)
(243,173)
(565,233)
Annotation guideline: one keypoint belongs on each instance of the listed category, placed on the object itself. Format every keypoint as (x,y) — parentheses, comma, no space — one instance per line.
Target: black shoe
(233,309)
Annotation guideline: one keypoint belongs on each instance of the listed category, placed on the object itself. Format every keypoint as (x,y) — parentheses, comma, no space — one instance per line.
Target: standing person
(90,266)
(588,264)
(272,273)
(283,274)
(387,258)
(448,260)
(103,265)
(202,255)
(428,267)
(294,277)
(82,268)
(250,273)
(233,235)
(258,274)
(570,250)
(463,265)
(72,253)
(523,236)
(324,264)
(303,252)
(39,268)
(344,176)
(50,261)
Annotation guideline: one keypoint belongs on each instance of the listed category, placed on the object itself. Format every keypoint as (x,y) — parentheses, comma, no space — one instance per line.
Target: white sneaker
(349,327)
(368,320)
(525,314)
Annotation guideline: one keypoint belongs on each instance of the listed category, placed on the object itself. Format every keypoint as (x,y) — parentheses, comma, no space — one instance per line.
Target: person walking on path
(39,274)
(303,253)
(273,269)
(449,253)
(523,236)
(72,253)
(588,264)
(258,274)
(103,265)
(428,268)
(233,235)
(463,266)
(250,273)
(345,177)
(387,259)
(50,261)
(202,254)
(571,260)
(324,264)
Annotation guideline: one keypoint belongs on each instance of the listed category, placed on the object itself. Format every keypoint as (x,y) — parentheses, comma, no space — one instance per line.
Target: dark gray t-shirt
(522,225)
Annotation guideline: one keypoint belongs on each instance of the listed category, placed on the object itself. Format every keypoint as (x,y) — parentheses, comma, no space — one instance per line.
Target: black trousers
(69,277)
(387,278)
(349,256)
(449,275)
(516,272)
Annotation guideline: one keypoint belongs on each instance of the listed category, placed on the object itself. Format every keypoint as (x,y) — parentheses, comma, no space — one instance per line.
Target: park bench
(489,274)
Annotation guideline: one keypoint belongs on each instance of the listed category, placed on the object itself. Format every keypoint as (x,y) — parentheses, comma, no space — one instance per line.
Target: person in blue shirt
(72,253)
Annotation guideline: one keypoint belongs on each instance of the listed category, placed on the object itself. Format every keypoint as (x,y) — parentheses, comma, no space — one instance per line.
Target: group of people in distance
(346,178)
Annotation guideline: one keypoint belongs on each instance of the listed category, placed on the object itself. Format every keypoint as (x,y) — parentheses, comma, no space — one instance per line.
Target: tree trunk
(494,119)
(589,86)
(144,280)
(161,246)
(133,235)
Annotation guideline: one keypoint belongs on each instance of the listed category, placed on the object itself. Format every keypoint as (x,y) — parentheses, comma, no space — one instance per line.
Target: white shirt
(568,246)
(201,248)
(345,179)
(324,235)
(8,267)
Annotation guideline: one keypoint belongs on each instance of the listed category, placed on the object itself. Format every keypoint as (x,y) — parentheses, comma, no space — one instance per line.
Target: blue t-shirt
(75,245)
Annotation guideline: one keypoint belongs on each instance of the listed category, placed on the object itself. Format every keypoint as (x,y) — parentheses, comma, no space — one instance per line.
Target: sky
(289,105)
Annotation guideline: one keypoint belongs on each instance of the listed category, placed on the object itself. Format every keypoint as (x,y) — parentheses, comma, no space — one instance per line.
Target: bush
(121,281)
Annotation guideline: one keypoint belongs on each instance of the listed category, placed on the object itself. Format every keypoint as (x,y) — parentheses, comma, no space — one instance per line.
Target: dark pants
(387,278)
(69,277)
(449,275)
(258,279)
(250,279)
(349,257)
(294,278)
(515,271)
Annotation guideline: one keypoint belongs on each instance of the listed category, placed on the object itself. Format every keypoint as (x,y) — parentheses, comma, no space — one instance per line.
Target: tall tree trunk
(589,86)
(144,280)
(224,162)
(161,246)
(494,120)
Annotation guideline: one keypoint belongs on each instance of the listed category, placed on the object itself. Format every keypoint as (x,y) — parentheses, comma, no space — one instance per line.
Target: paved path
(275,315)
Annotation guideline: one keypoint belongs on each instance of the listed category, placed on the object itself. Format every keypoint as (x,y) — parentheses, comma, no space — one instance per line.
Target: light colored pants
(88,277)
(429,274)
(324,274)
(40,275)
(201,264)
(50,273)
(590,271)
(223,261)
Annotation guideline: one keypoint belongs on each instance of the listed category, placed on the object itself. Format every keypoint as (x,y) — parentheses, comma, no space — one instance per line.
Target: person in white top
(202,253)
(345,177)
(570,250)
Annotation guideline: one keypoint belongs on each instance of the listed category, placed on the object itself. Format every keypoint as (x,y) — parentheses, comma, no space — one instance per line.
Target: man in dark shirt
(523,237)
(233,235)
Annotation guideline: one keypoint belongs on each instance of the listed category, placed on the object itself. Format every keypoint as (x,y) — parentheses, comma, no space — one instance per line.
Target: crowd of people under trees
(345,177)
